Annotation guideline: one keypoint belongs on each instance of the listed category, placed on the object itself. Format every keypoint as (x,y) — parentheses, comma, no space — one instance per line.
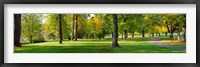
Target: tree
(184,28)
(174,22)
(124,25)
(52,25)
(76,26)
(17,32)
(115,32)
(60,28)
(141,23)
(31,25)
(72,37)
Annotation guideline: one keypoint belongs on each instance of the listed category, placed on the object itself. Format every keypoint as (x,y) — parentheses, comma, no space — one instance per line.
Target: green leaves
(30,26)
(98,24)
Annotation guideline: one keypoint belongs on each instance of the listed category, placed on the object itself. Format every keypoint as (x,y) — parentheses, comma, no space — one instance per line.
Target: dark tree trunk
(152,34)
(60,29)
(184,35)
(184,32)
(69,37)
(112,34)
(93,36)
(17,30)
(171,34)
(115,33)
(125,34)
(159,34)
(31,39)
(166,34)
(72,27)
(143,33)
(87,36)
(76,28)
(133,34)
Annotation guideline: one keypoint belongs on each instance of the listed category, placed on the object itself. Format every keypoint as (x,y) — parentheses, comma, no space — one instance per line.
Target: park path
(156,41)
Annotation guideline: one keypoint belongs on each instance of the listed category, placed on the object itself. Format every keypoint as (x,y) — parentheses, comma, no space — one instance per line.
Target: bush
(38,39)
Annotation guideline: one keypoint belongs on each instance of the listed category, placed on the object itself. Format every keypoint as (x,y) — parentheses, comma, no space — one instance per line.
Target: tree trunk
(112,34)
(115,33)
(87,36)
(152,34)
(72,27)
(171,34)
(60,29)
(76,28)
(31,39)
(159,34)
(184,32)
(17,30)
(143,33)
(133,34)
(166,34)
(125,34)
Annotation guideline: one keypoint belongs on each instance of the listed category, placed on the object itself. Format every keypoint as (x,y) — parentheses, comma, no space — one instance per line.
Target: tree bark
(133,34)
(143,33)
(171,34)
(112,34)
(159,34)
(72,37)
(184,32)
(152,34)
(17,30)
(31,39)
(76,28)
(125,34)
(166,34)
(115,32)
(60,28)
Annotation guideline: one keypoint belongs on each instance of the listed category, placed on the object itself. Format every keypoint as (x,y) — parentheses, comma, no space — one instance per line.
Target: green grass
(132,45)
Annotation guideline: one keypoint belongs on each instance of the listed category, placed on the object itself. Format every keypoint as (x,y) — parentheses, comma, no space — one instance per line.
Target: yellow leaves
(164,29)
(98,24)
(44,28)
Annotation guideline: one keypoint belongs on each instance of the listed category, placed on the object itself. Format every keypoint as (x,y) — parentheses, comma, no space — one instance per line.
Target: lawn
(132,45)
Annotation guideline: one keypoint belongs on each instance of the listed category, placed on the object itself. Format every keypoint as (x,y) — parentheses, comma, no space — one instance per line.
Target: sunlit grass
(132,45)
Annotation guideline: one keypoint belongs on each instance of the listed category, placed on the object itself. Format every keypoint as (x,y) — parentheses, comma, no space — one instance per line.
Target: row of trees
(38,27)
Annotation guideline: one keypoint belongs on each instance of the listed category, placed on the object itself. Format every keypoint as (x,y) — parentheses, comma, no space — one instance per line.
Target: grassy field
(132,45)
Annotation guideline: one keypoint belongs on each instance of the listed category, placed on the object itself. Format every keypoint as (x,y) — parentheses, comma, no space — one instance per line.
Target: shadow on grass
(95,49)
(131,45)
